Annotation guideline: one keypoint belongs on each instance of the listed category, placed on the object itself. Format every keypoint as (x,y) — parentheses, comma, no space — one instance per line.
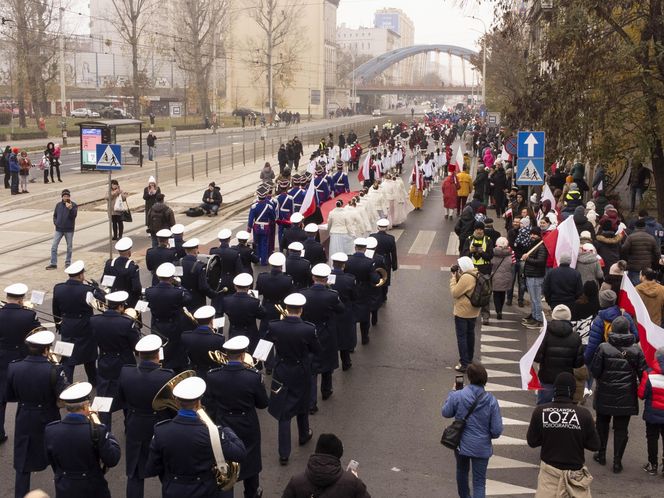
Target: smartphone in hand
(458,382)
(353,465)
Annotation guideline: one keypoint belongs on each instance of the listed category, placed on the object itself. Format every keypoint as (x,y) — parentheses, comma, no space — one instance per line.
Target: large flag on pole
(363,174)
(547,194)
(651,335)
(308,206)
(529,378)
(568,241)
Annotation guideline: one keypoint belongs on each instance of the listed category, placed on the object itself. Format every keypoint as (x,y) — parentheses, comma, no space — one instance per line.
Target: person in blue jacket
(600,327)
(484,424)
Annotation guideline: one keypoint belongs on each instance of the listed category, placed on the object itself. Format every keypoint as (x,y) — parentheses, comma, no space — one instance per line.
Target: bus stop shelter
(104,131)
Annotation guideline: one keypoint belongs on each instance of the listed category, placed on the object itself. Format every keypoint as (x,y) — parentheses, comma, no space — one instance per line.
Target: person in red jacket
(651,390)
(449,188)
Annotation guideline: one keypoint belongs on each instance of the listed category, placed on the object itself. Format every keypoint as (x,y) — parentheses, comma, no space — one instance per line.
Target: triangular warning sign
(108,158)
(530,174)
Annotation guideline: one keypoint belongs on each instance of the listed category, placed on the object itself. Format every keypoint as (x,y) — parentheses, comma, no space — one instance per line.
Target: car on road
(84,112)
(376,112)
(109,112)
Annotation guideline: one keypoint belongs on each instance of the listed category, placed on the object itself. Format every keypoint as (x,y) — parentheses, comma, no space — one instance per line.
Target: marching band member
(274,286)
(247,255)
(339,182)
(155,256)
(294,232)
(314,252)
(201,340)
(362,268)
(344,284)
(193,276)
(386,247)
(298,267)
(230,262)
(284,209)
(261,214)
(243,310)
(125,271)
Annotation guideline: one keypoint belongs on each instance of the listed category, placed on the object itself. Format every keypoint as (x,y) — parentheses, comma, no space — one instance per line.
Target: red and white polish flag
(529,378)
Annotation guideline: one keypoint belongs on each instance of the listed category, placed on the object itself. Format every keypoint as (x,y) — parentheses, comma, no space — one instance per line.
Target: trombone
(227,475)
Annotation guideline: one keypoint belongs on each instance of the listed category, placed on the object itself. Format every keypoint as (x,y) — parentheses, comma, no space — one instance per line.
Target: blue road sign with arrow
(530,162)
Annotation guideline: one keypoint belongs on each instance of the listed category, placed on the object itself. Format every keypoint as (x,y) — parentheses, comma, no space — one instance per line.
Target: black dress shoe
(346,367)
(313,410)
(304,441)
(3,438)
(326,396)
(283,460)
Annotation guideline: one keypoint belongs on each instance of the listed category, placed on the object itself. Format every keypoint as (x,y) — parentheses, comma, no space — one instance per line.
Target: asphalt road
(386,409)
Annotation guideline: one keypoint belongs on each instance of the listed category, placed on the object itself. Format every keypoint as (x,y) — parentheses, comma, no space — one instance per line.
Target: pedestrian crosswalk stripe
(453,245)
(498,488)
(497,374)
(397,232)
(502,403)
(195,224)
(513,421)
(48,324)
(422,242)
(497,349)
(211,235)
(410,267)
(491,387)
(509,441)
(499,462)
(493,328)
(490,360)
(497,338)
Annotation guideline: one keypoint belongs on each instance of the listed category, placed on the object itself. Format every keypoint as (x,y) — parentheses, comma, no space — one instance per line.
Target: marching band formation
(190,394)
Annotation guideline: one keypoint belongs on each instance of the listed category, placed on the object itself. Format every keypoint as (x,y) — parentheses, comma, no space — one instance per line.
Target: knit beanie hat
(465,263)
(329,444)
(564,385)
(618,268)
(620,325)
(561,312)
(580,210)
(607,298)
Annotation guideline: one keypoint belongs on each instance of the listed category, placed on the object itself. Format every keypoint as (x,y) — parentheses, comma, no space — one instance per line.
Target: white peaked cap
(75,268)
(295,246)
(149,344)
(340,256)
(277,259)
(177,229)
(311,228)
(42,338)
(360,242)
(190,389)
(383,223)
(16,290)
(191,243)
(224,234)
(371,243)
(295,299)
(243,235)
(321,270)
(166,270)
(237,343)
(124,244)
(243,280)
(204,312)
(117,297)
(296,218)
(164,233)
(76,393)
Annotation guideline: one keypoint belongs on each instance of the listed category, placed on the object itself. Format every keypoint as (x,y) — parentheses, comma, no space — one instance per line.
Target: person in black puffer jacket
(582,223)
(534,268)
(560,351)
(465,225)
(562,285)
(324,475)
(617,366)
(608,245)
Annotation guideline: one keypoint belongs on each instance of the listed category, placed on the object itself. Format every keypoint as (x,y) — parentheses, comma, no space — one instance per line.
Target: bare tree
(275,55)
(130,19)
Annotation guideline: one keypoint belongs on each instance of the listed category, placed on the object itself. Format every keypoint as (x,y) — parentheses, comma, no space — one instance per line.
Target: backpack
(195,212)
(482,292)
(608,326)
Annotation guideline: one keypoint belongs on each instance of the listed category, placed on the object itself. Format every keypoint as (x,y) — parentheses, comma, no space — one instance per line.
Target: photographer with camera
(462,284)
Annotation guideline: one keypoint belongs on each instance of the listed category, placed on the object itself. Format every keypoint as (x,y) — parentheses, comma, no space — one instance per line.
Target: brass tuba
(227,475)
(221,358)
(383,277)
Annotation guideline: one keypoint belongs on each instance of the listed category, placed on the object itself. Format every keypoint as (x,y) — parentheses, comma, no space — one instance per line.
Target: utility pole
(214,74)
(483,59)
(63,108)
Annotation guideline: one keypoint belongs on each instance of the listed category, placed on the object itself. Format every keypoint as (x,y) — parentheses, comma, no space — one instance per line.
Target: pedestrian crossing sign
(109,157)
(529,171)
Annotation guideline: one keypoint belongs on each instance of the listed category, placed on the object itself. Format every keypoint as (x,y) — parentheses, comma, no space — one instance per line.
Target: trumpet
(221,358)
(281,310)
(94,417)
(226,473)
(52,357)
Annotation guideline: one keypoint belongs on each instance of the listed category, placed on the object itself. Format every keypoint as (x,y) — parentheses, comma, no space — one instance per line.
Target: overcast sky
(436,21)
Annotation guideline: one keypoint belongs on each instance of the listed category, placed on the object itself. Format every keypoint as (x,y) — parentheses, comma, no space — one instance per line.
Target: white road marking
(422,242)
(491,387)
(490,360)
(513,421)
(496,338)
(194,225)
(496,349)
(498,462)
(493,328)
(509,441)
(410,267)
(397,232)
(498,488)
(497,374)
(511,404)
(453,245)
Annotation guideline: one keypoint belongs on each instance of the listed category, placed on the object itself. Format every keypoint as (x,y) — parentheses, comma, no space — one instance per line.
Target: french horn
(383,277)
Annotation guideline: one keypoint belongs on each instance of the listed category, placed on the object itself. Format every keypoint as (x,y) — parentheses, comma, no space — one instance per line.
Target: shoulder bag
(451,437)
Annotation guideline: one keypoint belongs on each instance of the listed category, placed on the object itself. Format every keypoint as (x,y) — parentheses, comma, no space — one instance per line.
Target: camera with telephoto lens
(454,268)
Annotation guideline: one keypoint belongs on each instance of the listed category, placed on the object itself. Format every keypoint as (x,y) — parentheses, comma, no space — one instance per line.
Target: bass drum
(213,272)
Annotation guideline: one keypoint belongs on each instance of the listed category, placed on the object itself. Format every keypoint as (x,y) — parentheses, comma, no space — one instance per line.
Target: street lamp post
(483,59)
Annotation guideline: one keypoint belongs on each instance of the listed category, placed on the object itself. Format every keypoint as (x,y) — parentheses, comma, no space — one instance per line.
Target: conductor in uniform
(247,255)
(166,302)
(193,276)
(274,286)
(125,271)
(79,449)
(295,342)
(236,391)
(297,267)
(201,340)
(138,386)
(362,268)
(314,251)
(181,451)
(230,264)
(294,233)
(155,256)
(70,304)
(243,310)
(116,335)
(387,247)
(344,284)
(15,322)
(321,308)
(35,384)
(261,219)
